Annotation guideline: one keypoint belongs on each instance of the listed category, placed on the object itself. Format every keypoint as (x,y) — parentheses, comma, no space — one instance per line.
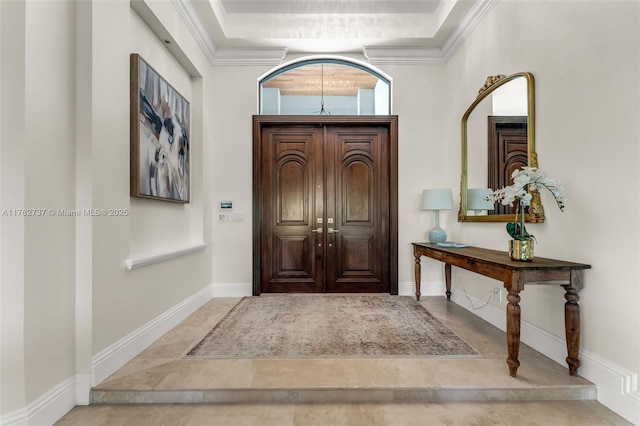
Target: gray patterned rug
(330,326)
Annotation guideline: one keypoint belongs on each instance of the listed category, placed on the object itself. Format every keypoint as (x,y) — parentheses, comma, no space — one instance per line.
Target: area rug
(327,326)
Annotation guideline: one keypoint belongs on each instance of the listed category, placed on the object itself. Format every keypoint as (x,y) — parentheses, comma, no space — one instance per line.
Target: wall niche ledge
(149,258)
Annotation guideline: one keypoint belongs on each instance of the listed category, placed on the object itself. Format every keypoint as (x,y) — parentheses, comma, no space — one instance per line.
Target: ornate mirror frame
(535,212)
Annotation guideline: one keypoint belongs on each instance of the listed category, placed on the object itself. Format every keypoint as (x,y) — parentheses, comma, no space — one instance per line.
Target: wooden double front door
(325,191)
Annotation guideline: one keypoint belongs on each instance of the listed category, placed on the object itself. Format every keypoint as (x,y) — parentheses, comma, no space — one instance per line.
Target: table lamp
(477,199)
(436,200)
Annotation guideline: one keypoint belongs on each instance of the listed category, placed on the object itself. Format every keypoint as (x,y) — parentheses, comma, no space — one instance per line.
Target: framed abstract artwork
(160,150)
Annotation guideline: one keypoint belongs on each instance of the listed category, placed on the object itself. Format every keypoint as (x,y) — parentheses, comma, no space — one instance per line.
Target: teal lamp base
(437,235)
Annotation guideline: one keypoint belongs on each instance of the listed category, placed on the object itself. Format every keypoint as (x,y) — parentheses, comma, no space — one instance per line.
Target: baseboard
(83,389)
(51,406)
(109,360)
(426,289)
(232,289)
(617,387)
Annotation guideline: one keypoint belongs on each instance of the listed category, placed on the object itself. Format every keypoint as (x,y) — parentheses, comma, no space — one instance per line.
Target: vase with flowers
(525,181)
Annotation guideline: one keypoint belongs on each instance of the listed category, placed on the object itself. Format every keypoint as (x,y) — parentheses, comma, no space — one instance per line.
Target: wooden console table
(515,275)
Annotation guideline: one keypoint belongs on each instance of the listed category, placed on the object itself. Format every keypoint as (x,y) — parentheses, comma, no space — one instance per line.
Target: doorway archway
(324,86)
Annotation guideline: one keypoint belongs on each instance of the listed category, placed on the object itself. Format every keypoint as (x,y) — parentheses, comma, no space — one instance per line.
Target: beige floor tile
(343,415)
(298,373)
(208,374)
(211,312)
(554,413)
(161,367)
(127,415)
(137,365)
(175,343)
(243,415)
(389,372)
(147,378)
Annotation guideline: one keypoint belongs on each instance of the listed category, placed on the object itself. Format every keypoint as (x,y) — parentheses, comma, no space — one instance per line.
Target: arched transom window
(325,87)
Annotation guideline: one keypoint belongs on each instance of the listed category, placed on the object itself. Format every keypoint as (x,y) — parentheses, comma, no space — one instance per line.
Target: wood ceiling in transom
(327,79)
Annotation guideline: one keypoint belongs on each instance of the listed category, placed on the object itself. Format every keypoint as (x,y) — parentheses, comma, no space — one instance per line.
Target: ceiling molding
(466,26)
(224,56)
(192,21)
(403,55)
(431,55)
(374,55)
(266,56)
(329,6)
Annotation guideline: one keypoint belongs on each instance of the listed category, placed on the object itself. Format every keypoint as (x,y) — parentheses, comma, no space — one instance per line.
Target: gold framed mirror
(498,137)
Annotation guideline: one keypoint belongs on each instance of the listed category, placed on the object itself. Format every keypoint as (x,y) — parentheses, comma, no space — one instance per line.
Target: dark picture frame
(159,135)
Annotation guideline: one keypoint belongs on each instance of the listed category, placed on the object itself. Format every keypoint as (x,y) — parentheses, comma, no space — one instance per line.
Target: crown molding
(267,56)
(403,55)
(192,21)
(224,56)
(431,55)
(375,55)
(468,23)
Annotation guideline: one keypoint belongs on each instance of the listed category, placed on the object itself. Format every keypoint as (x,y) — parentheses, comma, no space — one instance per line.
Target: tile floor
(158,387)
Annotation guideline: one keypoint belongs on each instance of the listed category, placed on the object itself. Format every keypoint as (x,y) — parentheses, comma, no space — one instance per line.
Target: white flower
(525,180)
(521,180)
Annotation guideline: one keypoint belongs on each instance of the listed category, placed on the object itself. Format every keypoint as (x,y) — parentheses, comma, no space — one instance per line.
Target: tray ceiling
(424,29)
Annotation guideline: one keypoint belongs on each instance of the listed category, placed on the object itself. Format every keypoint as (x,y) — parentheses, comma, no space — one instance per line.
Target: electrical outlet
(497,294)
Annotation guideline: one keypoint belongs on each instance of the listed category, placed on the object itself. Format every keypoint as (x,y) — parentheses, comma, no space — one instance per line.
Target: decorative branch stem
(522,233)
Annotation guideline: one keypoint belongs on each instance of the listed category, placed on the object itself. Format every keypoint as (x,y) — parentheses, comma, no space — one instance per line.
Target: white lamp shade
(437,199)
(476,199)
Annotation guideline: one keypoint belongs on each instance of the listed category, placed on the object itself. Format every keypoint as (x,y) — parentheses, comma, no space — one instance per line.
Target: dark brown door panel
(325,195)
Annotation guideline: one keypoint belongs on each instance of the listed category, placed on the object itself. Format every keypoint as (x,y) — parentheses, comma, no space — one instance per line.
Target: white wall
(231,165)
(424,161)
(66,293)
(585,58)
(125,300)
(37,173)
(49,180)
(586,127)
(12,135)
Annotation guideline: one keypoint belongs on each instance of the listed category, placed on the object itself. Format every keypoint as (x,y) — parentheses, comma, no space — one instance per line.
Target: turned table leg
(447,279)
(417,275)
(572,322)
(513,331)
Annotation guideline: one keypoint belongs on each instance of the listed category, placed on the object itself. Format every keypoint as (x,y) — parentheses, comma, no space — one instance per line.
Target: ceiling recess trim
(403,55)
(374,55)
(468,23)
(267,56)
(431,55)
(192,21)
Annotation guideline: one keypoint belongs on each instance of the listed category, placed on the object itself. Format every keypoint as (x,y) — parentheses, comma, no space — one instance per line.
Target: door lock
(318,230)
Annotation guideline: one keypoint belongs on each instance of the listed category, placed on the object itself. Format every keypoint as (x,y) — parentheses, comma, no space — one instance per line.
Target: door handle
(332,231)
(318,230)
